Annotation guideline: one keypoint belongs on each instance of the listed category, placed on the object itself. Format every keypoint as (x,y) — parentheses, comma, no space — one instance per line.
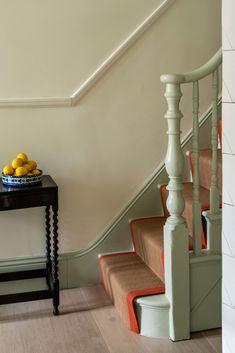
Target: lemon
(32,164)
(29,174)
(21,171)
(27,166)
(8,170)
(36,172)
(17,162)
(23,156)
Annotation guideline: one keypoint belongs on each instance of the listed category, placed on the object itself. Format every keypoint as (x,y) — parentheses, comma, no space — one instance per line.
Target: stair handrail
(195,75)
(176,234)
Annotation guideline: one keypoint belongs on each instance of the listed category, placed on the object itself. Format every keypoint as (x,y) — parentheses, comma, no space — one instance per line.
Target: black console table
(44,194)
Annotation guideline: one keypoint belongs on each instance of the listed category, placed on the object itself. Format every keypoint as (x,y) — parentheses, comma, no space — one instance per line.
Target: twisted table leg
(48,245)
(55,262)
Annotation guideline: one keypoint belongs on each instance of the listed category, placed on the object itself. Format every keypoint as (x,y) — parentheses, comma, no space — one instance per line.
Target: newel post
(175,230)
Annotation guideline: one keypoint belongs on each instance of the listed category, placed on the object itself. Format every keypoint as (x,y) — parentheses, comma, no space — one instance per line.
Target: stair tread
(126,277)
(147,234)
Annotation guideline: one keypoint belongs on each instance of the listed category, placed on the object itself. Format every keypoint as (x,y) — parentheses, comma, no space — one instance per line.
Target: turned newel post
(175,230)
(174,158)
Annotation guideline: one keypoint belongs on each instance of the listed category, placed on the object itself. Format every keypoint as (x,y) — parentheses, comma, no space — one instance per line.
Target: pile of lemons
(21,166)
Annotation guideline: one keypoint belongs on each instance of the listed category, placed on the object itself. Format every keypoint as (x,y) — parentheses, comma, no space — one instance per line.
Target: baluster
(174,158)
(214,215)
(197,227)
(214,190)
(175,230)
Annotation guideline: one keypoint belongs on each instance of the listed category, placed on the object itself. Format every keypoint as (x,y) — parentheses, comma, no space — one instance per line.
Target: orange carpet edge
(131,296)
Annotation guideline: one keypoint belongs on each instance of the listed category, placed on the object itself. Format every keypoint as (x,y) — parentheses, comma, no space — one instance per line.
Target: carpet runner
(127,276)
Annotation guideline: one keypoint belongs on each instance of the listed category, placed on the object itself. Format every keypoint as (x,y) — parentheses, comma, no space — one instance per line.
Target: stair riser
(205,166)
(125,278)
(148,242)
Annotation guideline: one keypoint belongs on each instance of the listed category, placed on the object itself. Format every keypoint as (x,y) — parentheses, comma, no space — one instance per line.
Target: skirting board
(81,268)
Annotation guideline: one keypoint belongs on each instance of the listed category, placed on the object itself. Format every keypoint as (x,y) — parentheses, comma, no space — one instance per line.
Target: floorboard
(88,323)
(214,338)
(116,335)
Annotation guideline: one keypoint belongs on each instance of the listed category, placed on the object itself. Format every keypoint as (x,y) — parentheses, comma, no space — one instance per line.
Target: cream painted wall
(101,151)
(50,47)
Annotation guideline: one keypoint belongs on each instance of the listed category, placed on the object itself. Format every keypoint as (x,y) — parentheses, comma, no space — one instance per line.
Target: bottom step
(126,277)
(153,315)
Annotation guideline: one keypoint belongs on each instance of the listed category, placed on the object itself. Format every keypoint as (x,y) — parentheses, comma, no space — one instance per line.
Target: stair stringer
(205,291)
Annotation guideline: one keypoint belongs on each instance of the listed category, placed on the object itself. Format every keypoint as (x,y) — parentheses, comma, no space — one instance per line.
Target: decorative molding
(36,102)
(95,76)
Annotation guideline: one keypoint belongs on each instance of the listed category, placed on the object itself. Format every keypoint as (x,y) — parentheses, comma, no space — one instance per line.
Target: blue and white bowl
(12,180)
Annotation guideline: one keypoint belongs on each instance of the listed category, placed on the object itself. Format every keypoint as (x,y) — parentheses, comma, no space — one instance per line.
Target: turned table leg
(48,245)
(55,278)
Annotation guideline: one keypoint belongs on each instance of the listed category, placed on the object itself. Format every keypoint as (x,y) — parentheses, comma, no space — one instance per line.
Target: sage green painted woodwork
(177,279)
(214,231)
(197,223)
(175,230)
(197,74)
(174,158)
(205,300)
(205,291)
(214,189)
(153,315)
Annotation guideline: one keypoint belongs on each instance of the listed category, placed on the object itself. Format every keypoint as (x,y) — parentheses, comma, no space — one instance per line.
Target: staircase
(169,285)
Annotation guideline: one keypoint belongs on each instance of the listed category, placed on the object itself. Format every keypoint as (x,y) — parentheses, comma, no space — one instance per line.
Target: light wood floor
(88,324)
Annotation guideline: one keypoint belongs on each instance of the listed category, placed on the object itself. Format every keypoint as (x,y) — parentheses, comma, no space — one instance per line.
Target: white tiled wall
(228,122)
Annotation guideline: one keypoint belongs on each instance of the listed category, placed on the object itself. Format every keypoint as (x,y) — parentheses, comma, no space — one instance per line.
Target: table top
(47,183)
(43,194)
